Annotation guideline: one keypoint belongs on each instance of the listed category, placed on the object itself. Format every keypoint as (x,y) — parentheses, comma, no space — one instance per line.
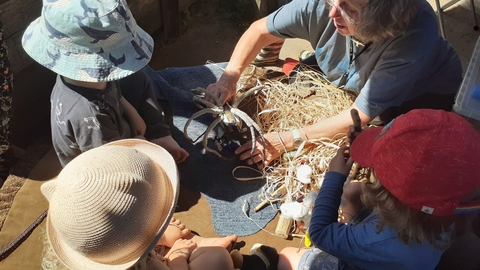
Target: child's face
(91,85)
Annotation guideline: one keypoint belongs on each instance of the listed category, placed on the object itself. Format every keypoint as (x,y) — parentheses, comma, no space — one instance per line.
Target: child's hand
(340,163)
(182,248)
(351,134)
(167,142)
(354,130)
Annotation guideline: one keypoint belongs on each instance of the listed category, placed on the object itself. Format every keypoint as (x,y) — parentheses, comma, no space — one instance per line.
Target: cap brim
(164,160)
(362,150)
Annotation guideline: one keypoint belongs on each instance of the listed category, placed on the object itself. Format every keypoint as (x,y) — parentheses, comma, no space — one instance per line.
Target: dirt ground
(209,37)
(210,33)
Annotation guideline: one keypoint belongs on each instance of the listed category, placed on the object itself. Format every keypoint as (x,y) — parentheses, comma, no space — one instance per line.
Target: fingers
(351,134)
(341,163)
(226,97)
(208,97)
(245,150)
(222,93)
(349,161)
(245,153)
(257,159)
(340,156)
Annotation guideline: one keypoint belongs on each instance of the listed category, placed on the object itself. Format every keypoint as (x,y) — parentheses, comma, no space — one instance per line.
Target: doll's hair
(412,226)
(382,19)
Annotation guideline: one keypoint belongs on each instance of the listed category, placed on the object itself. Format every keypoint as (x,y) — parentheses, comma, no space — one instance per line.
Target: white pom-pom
(304,173)
(294,210)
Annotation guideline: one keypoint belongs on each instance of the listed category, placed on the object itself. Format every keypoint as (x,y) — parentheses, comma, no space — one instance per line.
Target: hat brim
(164,160)
(362,150)
(89,65)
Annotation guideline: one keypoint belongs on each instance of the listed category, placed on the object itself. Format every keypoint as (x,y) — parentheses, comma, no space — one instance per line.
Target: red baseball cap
(428,159)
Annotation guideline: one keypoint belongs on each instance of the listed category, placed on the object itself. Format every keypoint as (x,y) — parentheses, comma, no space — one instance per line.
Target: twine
(283,107)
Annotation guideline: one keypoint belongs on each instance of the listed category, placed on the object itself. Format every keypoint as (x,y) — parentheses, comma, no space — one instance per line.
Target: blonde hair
(50,260)
(382,19)
(412,226)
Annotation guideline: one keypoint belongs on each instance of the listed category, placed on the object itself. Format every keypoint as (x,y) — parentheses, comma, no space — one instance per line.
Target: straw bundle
(285,106)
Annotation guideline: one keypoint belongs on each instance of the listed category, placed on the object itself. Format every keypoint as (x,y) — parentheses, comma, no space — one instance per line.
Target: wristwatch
(297,139)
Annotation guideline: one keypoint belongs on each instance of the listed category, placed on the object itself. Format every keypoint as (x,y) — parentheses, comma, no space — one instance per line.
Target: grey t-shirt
(84,118)
(387,73)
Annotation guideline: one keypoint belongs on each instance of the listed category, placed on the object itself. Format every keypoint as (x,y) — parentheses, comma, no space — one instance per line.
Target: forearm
(325,211)
(249,45)
(328,128)
(137,125)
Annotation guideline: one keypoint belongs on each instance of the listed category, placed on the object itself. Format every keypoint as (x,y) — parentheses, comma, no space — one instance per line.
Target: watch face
(297,143)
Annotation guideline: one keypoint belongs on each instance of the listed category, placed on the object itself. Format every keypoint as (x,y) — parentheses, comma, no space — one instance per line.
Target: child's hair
(412,226)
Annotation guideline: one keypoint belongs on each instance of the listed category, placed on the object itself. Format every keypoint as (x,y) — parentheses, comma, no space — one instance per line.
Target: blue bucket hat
(88,40)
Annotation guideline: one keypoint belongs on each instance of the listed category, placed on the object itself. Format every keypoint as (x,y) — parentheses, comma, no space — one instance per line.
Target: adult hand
(273,149)
(224,90)
(340,163)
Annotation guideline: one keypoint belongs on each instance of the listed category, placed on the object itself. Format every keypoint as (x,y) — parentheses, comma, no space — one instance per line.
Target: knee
(288,259)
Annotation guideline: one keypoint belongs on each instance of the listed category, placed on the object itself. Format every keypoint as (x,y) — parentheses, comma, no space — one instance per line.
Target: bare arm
(275,143)
(336,124)
(252,41)
(137,125)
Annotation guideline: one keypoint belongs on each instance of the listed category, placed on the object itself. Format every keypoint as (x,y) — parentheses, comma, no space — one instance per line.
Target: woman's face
(345,15)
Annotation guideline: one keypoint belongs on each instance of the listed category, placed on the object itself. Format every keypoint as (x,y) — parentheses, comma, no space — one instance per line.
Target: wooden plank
(171,17)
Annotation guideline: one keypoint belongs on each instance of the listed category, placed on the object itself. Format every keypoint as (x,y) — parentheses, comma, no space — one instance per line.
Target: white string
(249,218)
(247,178)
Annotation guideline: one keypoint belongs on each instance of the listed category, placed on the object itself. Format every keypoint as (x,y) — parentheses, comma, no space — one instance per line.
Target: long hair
(412,226)
(382,19)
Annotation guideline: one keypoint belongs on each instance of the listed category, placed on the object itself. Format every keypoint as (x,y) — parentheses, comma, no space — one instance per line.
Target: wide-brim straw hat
(110,205)
(88,40)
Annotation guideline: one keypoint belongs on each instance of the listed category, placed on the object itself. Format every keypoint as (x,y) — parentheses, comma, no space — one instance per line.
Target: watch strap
(297,139)
(296,135)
